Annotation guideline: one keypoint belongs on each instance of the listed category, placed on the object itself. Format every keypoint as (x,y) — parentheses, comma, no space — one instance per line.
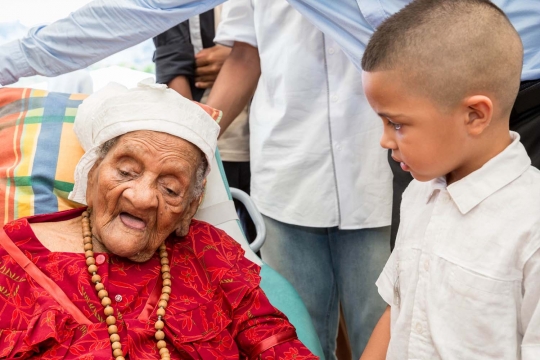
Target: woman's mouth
(132,222)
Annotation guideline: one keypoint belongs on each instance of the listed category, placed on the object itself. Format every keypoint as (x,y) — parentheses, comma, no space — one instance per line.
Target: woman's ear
(479,114)
(183,228)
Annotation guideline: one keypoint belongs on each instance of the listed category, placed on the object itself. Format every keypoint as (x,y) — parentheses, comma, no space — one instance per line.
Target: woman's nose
(387,140)
(142,194)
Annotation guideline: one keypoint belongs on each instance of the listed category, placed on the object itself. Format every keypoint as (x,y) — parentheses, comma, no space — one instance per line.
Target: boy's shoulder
(531,178)
(524,190)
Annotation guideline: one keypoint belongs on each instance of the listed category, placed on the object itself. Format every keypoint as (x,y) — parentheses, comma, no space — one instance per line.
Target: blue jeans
(329,267)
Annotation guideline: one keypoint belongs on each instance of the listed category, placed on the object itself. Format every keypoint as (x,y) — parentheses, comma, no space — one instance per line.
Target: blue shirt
(104,27)
(352,22)
(95,31)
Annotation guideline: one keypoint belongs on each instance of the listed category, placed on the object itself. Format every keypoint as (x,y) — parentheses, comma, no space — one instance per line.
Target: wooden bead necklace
(106,301)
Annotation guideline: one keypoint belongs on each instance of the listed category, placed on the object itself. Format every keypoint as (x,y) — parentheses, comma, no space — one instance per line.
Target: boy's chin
(422,178)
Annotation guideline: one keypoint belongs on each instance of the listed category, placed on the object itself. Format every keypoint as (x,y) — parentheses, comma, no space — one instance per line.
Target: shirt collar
(436,185)
(498,172)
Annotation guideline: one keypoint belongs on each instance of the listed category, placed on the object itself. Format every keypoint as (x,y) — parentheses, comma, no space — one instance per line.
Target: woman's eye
(171,192)
(123,172)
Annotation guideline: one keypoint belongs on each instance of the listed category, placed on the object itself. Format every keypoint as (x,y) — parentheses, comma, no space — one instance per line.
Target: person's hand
(208,63)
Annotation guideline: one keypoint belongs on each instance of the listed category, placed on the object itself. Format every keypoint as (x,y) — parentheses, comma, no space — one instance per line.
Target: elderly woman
(132,275)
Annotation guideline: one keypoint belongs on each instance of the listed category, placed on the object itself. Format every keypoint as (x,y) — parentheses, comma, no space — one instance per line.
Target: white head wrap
(116,110)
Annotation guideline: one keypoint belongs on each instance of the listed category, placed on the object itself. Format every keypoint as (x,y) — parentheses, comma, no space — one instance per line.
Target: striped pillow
(38,151)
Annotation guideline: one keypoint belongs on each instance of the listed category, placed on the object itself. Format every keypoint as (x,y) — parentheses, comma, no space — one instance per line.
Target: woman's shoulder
(211,246)
(208,257)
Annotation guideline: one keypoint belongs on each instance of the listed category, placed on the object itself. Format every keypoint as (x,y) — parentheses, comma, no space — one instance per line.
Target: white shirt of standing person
(315,154)
(463,281)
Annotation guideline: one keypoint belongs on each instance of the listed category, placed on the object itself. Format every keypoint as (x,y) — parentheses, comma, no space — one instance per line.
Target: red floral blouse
(216,309)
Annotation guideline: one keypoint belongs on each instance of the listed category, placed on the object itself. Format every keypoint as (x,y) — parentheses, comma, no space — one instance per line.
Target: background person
(188,61)
(319,176)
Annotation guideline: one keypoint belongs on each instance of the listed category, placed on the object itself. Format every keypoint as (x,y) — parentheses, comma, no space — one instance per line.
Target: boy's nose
(387,141)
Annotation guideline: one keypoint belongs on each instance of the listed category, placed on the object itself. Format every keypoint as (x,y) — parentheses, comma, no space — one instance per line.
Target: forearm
(263,331)
(236,82)
(97,30)
(380,338)
(181,85)
(174,55)
(530,307)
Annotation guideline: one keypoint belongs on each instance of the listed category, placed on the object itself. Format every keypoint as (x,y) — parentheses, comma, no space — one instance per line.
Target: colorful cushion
(38,151)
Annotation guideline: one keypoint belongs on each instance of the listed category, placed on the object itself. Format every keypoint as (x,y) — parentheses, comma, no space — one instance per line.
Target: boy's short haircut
(450,49)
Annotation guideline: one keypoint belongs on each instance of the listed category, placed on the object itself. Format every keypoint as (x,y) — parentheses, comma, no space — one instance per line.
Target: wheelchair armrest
(255,215)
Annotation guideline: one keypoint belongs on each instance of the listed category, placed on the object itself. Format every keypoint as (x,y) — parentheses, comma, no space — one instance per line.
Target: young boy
(464,279)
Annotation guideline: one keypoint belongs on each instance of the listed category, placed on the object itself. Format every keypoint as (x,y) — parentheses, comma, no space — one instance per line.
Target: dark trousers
(525,120)
(239,176)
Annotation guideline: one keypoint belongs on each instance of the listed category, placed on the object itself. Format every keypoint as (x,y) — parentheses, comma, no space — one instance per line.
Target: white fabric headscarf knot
(116,110)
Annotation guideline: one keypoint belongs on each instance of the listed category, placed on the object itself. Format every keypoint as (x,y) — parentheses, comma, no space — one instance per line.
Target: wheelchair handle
(255,215)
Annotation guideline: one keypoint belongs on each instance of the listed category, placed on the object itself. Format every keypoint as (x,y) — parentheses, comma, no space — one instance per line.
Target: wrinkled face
(425,139)
(141,192)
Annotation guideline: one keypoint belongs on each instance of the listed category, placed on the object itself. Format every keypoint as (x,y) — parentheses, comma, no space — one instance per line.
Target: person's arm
(377,345)
(97,30)
(240,73)
(174,59)
(530,305)
(180,84)
(235,83)
(260,330)
(208,64)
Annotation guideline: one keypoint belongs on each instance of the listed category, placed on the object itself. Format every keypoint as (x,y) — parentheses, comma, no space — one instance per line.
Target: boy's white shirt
(464,279)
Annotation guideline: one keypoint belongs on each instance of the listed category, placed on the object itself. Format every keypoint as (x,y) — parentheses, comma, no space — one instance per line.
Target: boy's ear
(479,114)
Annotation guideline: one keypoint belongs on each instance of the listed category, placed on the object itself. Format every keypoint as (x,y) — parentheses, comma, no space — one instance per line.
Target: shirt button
(419,328)
(426,265)
(100,259)
(118,298)
(331,51)
(338,147)
(334,98)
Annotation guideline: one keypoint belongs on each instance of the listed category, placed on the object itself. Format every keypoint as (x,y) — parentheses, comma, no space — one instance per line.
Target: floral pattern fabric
(216,308)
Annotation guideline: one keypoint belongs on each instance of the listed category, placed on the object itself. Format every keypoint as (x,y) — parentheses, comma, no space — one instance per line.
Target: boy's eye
(396,126)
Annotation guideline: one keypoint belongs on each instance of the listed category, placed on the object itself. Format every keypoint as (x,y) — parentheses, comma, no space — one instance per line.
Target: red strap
(45,282)
(152,301)
(272,341)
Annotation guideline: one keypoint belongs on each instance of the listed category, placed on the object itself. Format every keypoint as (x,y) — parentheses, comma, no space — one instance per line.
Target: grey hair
(106,147)
(199,176)
(198,189)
